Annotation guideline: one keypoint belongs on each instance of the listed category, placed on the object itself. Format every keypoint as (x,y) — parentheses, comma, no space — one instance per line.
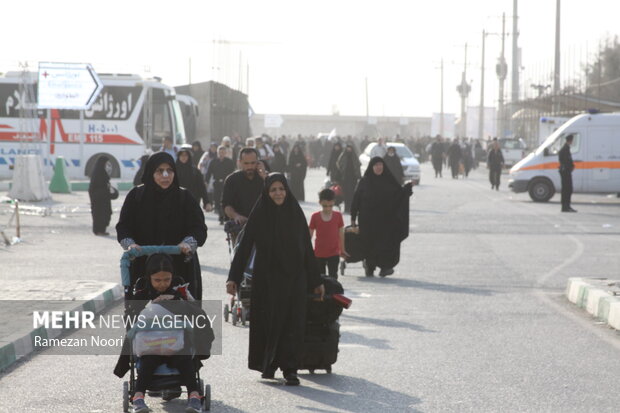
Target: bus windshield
(179,138)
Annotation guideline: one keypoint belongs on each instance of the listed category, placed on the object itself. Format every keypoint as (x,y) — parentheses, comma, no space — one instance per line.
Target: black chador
(285,271)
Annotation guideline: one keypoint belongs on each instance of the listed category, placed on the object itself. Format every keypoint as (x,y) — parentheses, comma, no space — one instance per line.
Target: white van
(595,151)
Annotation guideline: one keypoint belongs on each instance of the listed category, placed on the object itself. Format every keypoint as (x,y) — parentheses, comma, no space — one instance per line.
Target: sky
(311,57)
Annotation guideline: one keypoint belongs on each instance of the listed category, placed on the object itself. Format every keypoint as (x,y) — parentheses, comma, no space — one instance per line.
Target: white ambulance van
(595,151)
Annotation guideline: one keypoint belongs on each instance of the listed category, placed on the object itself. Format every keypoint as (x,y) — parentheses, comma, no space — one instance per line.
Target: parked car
(410,164)
(513,150)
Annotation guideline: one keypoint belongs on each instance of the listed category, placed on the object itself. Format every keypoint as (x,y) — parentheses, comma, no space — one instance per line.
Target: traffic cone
(60,183)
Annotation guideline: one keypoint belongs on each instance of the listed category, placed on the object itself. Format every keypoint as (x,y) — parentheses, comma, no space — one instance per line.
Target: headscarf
(99,177)
(279,229)
(380,190)
(295,158)
(160,199)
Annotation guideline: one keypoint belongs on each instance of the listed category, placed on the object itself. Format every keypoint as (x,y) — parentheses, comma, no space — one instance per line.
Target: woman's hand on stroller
(320,290)
(231,287)
(134,246)
(185,248)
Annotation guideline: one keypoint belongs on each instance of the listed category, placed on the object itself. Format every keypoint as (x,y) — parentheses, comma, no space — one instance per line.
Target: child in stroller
(159,285)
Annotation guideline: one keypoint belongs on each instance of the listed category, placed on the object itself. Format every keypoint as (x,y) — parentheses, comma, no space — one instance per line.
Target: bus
(189,109)
(130,116)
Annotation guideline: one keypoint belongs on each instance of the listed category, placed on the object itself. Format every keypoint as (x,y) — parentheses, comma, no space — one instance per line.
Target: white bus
(130,115)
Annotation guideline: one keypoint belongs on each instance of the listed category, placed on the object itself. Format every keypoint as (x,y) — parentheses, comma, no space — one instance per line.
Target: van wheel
(541,190)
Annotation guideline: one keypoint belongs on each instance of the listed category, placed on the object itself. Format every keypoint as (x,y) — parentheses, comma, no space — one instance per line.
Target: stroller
(353,246)
(238,310)
(165,380)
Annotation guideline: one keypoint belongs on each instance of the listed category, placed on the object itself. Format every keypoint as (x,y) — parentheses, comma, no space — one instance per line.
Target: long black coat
(151,216)
(297,168)
(100,197)
(191,179)
(382,205)
(285,271)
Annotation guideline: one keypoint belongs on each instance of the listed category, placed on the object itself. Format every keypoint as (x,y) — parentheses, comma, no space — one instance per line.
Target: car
(410,164)
(513,150)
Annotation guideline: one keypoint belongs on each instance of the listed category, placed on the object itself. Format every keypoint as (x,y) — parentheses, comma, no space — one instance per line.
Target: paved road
(473,320)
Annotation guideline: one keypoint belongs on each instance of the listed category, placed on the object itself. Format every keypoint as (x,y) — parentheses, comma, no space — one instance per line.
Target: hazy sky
(308,56)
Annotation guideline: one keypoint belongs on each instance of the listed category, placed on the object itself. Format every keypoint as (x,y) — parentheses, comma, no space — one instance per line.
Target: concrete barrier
(599,297)
(28,181)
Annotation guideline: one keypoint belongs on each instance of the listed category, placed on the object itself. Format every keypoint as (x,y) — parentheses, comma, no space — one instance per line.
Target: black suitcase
(320,346)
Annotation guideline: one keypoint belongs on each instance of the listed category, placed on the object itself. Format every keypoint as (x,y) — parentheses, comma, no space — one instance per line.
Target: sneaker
(194,405)
(139,406)
(386,271)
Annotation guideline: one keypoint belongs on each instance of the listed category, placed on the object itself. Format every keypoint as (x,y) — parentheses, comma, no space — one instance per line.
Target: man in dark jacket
(495,162)
(566,174)
(219,169)
(242,188)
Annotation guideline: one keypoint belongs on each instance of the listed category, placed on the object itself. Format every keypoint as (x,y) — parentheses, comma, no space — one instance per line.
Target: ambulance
(131,115)
(595,151)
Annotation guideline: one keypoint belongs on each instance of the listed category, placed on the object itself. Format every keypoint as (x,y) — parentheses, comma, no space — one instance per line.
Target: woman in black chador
(159,212)
(191,179)
(101,197)
(332,169)
(284,272)
(349,167)
(382,205)
(297,167)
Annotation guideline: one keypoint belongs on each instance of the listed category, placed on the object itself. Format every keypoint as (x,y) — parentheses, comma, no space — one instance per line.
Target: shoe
(105,234)
(168,395)
(139,406)
(386,271)
(194,405)
(368,272)
(291,378)
(571,210)
(269,373)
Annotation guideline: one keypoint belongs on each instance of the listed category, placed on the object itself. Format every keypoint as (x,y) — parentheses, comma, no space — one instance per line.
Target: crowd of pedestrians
(257,184)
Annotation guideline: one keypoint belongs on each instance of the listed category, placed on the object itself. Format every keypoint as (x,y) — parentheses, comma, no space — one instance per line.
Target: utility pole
(481,113)
(515,57)
(556,72)
(501,69)
(441,107)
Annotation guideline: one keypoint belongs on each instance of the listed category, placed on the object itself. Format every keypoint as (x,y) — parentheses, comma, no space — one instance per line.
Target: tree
(603,75)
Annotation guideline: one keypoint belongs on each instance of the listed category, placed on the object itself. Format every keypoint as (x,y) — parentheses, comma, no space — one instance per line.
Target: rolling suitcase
(322,330)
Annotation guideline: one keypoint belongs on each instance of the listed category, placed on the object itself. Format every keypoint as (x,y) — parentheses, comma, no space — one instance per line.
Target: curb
(600,297)
(22,346)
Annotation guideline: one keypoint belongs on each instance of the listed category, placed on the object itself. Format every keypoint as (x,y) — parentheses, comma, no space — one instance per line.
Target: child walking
(329,227)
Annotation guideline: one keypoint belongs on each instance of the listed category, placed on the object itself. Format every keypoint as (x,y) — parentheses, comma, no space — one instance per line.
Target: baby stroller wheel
(226,312)
(125,396)
(206,400)
(311,371)
(201,385)
(244,315)
(343,265)
(235,318)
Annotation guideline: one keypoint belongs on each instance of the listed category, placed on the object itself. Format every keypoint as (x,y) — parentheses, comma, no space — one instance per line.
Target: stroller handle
(144,250)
